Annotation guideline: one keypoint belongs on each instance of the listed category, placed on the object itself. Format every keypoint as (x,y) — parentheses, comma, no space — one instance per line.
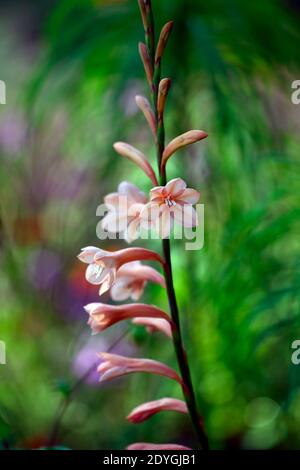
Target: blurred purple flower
(44,266)
(86,359)
(12,133)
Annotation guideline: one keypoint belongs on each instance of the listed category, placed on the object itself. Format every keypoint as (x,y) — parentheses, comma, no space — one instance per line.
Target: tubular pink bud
(188,138)
(146,410)
(137,157)
(145,107)
(103,316)
(163,39)
(113,366)
(163,90)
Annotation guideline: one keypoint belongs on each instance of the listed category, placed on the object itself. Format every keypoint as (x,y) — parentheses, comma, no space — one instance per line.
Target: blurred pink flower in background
(13,131)
(86,358)
(124,208)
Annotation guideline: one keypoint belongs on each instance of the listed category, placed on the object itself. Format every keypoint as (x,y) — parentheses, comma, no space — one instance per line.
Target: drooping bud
(163,39)
(137,157)
(183,140)
(146,109)
(163,90)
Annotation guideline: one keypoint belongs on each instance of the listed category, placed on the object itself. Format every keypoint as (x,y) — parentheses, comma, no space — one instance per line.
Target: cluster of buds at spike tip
(122,273)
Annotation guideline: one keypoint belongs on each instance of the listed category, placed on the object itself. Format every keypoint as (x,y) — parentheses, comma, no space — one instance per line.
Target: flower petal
(108,281)
(95,274)
(165,223)
(87,254)
(175,187)
(190,217)
(189,196)
(132,231)
(133,193)
(121,289)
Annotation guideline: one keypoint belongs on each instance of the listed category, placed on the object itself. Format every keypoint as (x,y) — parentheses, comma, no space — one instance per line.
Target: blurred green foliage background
(72,71)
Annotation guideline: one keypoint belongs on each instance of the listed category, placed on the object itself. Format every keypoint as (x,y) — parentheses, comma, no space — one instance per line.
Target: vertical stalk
(188,389)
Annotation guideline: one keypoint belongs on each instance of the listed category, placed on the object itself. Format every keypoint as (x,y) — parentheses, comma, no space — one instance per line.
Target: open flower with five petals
(173,202)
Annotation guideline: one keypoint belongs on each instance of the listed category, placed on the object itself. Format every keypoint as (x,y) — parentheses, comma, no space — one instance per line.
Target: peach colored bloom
(171,202)
(102,316)
(104,265)
(124,208)
(146,410)
(114,366)
(149,446)
(154,324)
(131,280)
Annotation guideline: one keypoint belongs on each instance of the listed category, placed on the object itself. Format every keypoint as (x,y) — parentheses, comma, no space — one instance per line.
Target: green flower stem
(188,389)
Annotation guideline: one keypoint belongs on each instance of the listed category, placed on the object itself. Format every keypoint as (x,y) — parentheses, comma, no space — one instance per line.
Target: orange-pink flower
(113,366)
(104,265)
(102,316)
(124,207)
(131,280)
(146,410)
(150,446)
(154,324)
(171,202)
